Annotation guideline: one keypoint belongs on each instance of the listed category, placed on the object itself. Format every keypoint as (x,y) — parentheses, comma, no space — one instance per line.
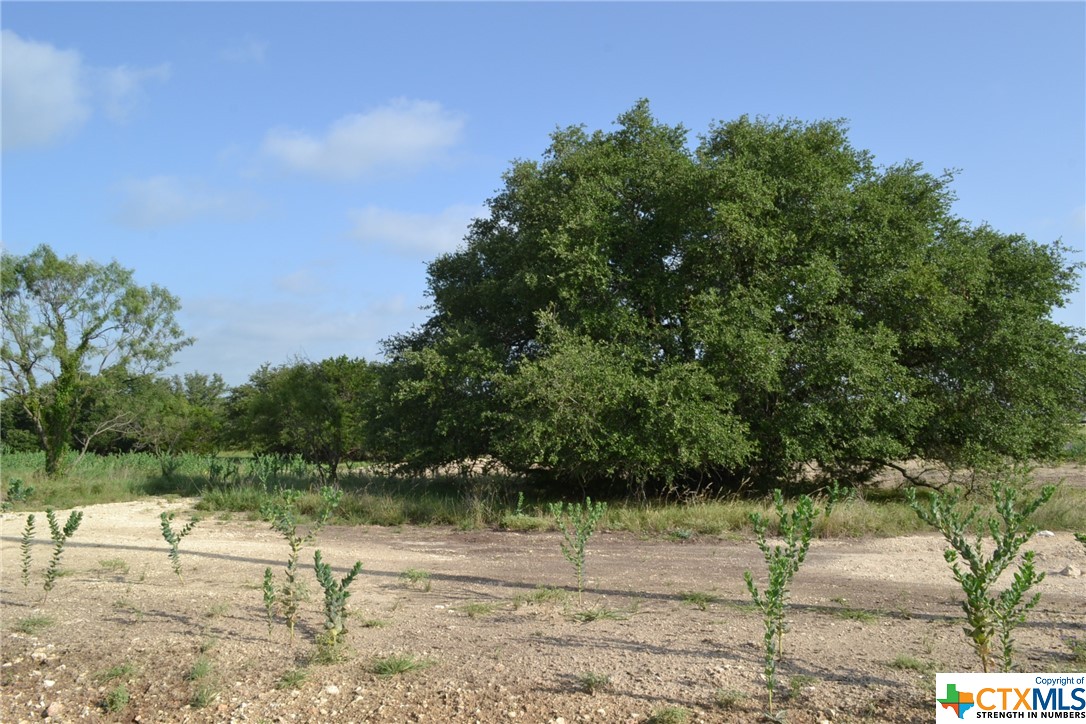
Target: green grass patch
(728,699)
(699,599)
(483,501)
(414,578)
(117,566)
(120,671)
(292,679)
(201,669)
(909,663)
(476,609)
(852,614)
(592,683)
(669,715)
(117,699)
(205,694)
(32,625)
(397,664)
(540,596)
(599,613)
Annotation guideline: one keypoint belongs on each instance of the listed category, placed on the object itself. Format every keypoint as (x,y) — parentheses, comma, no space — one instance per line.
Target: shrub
(783,562)
(335,600)
(60,537)
(24,549)
(173,538)
(283,515)
(989,615)
(577,525)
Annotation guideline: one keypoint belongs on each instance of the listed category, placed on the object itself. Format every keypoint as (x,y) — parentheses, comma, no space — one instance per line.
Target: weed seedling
(540,596)
(117,566)
(117,699)
(120,671)
(292,679)
(1078,651)
(201,669)
(699,599)
(908,663)
(987,614)
(398,664)
(669,715)
(18,492)
(476,609)
(728,699)
(335,600)
(783,562)
(798,683)
(283,515)
(24,549)
(591,682)
(32,624)
(577,524)
(60,537)
(415,578)
(599,613)
(269,596)
(173,538)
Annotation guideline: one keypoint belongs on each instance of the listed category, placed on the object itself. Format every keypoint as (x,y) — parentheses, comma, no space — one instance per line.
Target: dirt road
(865,615)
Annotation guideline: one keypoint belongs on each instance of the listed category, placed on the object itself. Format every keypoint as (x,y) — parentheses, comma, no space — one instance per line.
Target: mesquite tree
(65,323)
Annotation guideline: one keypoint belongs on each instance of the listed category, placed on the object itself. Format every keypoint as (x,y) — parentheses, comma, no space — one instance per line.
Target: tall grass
(477,503)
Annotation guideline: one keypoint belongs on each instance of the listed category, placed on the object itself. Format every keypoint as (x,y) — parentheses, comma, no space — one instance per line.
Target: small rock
(331,689)
(55,709)
(1045,534)
(1071,571)
(48,683)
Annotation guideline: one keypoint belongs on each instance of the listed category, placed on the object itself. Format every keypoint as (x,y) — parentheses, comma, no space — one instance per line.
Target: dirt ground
(498,652)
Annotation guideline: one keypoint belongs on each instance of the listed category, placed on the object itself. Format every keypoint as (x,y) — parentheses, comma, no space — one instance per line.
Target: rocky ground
(870,620)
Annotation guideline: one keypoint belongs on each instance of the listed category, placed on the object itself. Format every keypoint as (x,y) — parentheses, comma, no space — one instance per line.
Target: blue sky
(287,169)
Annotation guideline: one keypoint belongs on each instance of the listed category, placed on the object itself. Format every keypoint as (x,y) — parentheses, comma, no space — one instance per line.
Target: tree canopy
(318,410)
(634,309)
(67,326)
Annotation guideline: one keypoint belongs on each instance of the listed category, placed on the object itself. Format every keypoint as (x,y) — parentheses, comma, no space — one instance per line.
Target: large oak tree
(636,309)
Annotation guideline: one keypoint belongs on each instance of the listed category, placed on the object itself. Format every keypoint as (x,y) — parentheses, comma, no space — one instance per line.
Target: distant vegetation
(634,319)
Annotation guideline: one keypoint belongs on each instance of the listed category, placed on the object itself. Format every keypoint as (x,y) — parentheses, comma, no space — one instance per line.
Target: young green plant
(988,614)
(783,561)
(60,537)
(577,524)
(270,598)
(24,549)
(335,600)
(283,515)
(173,538)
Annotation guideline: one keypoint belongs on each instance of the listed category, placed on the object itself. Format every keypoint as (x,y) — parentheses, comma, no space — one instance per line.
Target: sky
(288,169)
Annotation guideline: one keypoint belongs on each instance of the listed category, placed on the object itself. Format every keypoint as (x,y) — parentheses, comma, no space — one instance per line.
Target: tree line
(633,311)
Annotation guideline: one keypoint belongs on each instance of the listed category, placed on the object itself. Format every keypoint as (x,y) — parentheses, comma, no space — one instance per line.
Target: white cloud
(121,89)
(50,93)
(410,233)
(246,50)
(402,134)
(43,97)
(167,201)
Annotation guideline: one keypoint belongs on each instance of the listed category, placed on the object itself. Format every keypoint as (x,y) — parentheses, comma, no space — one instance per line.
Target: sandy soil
(857,606)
